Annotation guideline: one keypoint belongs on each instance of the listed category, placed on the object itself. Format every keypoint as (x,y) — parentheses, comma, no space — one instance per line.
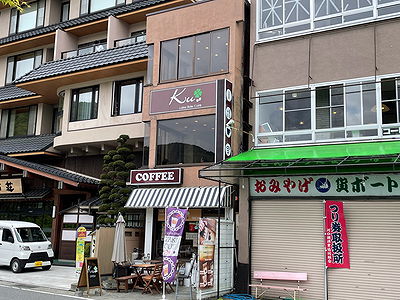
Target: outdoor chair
(153,280)
(186,275)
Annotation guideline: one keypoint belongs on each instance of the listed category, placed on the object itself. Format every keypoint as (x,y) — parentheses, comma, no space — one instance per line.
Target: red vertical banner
(336,242)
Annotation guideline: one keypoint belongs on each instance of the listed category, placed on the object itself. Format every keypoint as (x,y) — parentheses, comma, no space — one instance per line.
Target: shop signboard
(10,186)
(183,98)
(326,186)
(174,225)
(156,176)
(207,232)
(336,242)
(224,120)
(80,248)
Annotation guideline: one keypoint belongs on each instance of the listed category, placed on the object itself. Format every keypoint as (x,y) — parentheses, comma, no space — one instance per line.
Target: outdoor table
(139,270)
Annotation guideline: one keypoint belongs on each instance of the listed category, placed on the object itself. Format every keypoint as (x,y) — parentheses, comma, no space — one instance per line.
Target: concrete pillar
(117,30)
(64,42)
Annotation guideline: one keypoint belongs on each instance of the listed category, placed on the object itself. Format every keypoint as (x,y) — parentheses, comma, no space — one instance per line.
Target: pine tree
(113,190)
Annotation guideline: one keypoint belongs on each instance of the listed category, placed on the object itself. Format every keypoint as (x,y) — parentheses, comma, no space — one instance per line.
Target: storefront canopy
(367,157)
(193,197)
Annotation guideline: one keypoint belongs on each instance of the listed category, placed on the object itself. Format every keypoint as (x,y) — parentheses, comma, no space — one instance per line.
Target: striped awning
(192,197)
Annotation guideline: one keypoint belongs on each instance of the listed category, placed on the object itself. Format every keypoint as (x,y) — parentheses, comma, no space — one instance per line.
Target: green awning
(320,151)
(362,157)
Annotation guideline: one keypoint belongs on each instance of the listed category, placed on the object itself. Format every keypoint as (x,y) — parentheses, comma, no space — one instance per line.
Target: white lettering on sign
(176,94)
(156,176)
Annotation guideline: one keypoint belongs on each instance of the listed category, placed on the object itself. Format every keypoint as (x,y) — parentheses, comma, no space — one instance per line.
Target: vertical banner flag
(207,233)
(336,242)
(80,248)
(174,225)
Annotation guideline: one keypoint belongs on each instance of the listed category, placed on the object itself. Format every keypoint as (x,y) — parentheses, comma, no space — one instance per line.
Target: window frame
(63,4)
(88,6)
(8,112)
(262,137)
(95,90)
(117,94)
(14,59)
(375,10)
(12,31)
(90,45)
(177,78)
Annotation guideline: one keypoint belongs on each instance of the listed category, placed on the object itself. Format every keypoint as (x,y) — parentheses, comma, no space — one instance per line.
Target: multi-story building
(325,90)
(77,74)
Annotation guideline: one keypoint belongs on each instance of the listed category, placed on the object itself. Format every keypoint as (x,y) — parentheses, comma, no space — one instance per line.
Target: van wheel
(46,268)
(16,265)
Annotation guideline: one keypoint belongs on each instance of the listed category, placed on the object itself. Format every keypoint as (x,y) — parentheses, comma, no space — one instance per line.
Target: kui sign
(156,176)
(183,98)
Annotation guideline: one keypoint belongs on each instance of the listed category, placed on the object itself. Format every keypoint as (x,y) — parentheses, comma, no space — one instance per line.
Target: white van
(24,245)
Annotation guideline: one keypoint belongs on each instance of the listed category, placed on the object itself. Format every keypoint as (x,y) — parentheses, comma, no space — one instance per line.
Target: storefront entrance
(288,235)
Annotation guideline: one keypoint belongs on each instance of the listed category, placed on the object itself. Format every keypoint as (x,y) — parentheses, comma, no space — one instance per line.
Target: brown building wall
(340,54)
(187,21)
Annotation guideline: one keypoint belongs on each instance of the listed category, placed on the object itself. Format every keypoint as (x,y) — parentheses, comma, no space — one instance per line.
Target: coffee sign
(183,98)
(156,176)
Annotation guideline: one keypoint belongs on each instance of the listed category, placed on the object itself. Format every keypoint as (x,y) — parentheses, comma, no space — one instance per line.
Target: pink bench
(285,276)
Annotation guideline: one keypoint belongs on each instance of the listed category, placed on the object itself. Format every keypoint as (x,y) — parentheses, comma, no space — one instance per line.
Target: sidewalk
(58,280)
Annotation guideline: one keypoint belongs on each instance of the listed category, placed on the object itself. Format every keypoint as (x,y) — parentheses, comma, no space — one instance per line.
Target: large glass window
(84,103)
(19,65)
(198,55)
(186,140)
(128,97)
(281,17)
(19,121)
(30,17)
(89,6)
(325,112)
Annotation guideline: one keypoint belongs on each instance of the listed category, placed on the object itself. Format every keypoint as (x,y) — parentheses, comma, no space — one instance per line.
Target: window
(31,17)
(283,17)
(136,37)
(198,55)
(128,97)
(84,103)
(19,65)
(186,140)
(19,121)
(58,112)
(150,65)
(87,48)
(390,101)
(7,236)
(65,11)
(89,6)
(323,112)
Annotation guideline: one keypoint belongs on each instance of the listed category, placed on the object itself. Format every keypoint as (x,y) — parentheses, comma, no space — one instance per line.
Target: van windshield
(31,234)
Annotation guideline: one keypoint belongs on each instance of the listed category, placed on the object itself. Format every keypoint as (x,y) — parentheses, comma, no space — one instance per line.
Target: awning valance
(346,158)
(192,197)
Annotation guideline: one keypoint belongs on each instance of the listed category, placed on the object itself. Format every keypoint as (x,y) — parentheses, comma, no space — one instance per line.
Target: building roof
(57,173)
(136,5)
(26,144)
(30,195)
(10,92)
(86,62)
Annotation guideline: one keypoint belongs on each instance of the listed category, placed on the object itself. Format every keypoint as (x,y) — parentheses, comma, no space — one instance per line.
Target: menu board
(90,274)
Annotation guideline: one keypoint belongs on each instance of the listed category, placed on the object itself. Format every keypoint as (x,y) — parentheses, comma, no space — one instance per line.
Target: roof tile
(86,62)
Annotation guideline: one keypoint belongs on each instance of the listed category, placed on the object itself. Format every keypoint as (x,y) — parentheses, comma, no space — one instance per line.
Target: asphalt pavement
(22,293)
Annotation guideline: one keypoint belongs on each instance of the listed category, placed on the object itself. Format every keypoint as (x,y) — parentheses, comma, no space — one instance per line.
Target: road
(22,293)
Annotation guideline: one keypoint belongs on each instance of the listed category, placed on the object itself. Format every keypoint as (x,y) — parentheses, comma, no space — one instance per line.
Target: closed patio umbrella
(119,250)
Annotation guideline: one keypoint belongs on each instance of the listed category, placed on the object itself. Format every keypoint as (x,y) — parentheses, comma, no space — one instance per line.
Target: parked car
(24,245)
